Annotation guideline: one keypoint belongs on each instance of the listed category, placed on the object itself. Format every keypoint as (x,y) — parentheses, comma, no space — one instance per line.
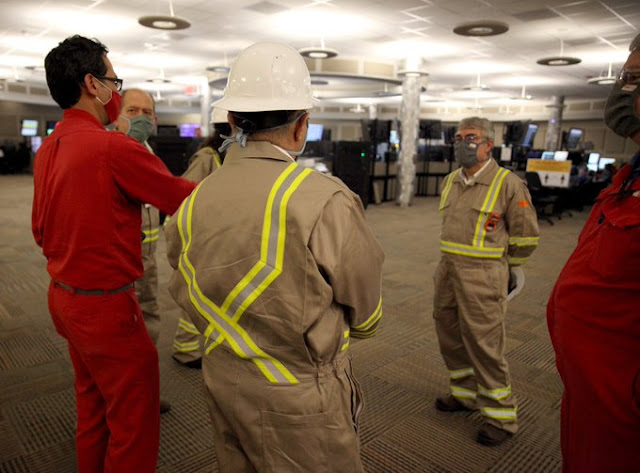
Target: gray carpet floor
(401,370)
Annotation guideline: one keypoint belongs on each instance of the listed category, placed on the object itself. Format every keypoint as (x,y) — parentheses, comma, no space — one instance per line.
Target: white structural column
(373,111)
(552,137)
(205,107)
(409,118)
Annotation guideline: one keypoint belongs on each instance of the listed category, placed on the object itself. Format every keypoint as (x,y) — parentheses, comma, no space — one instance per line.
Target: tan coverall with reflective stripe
(277,267)
(487,225)
(187,344)
(147,285)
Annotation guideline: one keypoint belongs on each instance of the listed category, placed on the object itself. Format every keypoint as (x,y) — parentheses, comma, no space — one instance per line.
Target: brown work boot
(450,404)
(492,436)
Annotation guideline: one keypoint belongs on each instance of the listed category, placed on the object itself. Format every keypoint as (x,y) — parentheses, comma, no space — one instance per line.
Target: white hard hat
(266,77)
(516,282)
(218,115)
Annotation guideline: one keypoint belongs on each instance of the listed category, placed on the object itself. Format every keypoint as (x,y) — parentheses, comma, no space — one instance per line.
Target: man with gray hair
(489,227)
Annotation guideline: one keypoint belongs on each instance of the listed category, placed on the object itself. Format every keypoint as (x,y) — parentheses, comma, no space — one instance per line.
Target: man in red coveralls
(88,186)
(594,311)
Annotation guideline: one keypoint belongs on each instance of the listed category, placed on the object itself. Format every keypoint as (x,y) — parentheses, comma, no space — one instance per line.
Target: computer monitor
(530,135)
(36,142)
(29,128)
(51,125)
(592,162)
(394,137)
(189,130)
(314,133)
(561,155)
(573,137)
(602,163)
(547,155)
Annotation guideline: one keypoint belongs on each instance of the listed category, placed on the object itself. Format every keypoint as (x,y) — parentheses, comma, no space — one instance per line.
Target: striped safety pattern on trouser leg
(495,394)
(223,320)
(500,413)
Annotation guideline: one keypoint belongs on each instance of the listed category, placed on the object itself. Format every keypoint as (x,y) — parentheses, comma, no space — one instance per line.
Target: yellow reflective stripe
(470,250)
(461,373)
(500,413)
(234,334)
(373,318)
(487,206)
(496,394)
(516,261)
(151,235)
(186,347)
(524,241)
(345,345)
(447,188)
(188,327)
(216,158)
(369,334)
(462,393)
(264,245)
(345,334)
(166,220)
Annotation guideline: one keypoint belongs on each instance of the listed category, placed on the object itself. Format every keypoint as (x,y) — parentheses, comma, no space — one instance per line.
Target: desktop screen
(574,135)
(561,155)
(394,138)
(29,128)
(547,155)
(51,125)
(189,130)
(315,132)
(602,163)
(530,135)
(36,142)
(592,162)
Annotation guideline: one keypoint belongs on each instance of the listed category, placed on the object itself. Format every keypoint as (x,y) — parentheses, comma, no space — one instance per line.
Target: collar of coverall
(256,149)
(486,176)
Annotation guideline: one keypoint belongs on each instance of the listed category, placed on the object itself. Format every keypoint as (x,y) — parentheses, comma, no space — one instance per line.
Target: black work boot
(492,436)
(450,404)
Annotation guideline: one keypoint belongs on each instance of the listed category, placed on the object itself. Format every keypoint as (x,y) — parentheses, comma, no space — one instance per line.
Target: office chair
(541,198)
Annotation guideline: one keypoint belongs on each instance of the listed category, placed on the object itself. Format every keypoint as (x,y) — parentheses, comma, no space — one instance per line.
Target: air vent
(16,88)
(38,91)
(267,8)
(536,15)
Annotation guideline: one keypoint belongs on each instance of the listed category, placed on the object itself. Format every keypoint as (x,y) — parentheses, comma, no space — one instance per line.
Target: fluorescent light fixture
(559,60)
(413,73)
(219,69)
(604,79)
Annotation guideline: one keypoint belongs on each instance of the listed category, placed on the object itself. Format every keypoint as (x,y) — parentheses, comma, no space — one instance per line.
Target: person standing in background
(593,313)
(138,119)
(187,341)
(88,187)
(489,226)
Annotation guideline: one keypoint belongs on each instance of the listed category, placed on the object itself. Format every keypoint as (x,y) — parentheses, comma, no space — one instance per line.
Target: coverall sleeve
(174,242)
(522,224)
(350,258)
(201,164)
(143,177)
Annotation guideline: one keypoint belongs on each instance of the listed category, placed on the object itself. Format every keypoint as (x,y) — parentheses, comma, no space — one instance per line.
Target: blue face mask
(140,127)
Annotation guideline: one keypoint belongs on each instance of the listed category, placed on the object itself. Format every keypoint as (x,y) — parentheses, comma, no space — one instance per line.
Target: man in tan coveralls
(138,119)
(278,269)
(488,226)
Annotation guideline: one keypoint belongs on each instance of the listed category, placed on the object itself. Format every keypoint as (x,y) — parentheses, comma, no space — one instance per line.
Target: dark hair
(68,63)
(215,140)
(251,122)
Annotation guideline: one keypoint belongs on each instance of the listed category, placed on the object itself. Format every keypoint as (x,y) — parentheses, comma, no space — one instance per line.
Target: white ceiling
(379,31)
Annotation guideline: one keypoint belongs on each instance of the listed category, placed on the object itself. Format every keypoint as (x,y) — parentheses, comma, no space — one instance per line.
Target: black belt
(94,292)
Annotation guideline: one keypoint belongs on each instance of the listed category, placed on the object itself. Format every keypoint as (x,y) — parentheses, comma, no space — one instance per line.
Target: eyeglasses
(115,80)
(467,139)
(630,76)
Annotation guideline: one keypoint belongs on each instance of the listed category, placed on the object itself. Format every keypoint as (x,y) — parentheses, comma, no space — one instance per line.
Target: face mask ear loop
(240,137)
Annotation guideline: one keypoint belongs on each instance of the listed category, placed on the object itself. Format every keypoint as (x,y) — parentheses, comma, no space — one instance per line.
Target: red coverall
(88,186)
(594,322)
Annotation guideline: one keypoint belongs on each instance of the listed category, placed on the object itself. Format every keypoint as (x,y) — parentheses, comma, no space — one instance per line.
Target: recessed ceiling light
(163,22)
(481,28)
(559,61)
(159,80)
(318,53)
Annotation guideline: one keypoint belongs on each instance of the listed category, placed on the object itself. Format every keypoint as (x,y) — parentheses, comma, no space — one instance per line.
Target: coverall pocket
(357,400)
(295,443)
